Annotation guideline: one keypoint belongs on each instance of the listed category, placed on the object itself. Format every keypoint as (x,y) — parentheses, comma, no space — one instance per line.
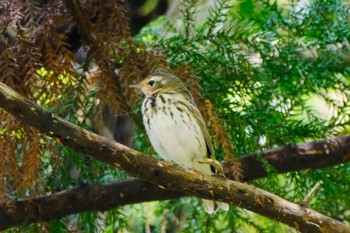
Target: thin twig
(309,196)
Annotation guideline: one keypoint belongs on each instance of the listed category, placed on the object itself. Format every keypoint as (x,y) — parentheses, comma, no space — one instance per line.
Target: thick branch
(99,197)
(294,157)
(165,175)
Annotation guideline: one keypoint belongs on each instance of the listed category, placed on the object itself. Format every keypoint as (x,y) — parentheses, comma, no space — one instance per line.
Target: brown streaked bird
(175,126)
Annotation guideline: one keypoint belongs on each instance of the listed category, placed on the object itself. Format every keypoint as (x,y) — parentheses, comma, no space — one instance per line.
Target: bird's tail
(212,206)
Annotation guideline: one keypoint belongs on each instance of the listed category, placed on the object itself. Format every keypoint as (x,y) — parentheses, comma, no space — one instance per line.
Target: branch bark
(87,197)
(99,197)
(294,157)
(167,176)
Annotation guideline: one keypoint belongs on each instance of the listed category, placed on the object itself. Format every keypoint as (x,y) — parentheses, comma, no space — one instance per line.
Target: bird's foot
(216,164)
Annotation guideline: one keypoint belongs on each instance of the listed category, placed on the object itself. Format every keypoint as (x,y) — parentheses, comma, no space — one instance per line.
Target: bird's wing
(198,116)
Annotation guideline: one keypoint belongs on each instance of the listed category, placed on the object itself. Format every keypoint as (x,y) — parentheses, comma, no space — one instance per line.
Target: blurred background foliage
(276,72)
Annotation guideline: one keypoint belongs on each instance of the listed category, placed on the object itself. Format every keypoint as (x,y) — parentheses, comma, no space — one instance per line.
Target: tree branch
(99,197)
(167,176)
(294,157)
(87,197)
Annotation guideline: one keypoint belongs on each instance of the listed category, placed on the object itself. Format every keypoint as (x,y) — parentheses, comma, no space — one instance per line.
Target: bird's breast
(173,130)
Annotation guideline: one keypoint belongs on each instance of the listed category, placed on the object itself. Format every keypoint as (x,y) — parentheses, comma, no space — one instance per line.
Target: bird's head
(160,82)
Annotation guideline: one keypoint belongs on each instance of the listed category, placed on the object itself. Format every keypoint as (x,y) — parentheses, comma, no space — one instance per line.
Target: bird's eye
(151,82)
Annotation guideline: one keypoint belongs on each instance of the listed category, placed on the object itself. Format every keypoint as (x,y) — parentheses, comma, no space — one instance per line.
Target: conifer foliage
(262,74)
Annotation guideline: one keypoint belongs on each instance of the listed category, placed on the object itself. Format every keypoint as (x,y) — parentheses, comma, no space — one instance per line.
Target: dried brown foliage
(38,60)
(32,38)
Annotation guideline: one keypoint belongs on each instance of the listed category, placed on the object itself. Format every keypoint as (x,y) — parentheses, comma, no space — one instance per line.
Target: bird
(175,126)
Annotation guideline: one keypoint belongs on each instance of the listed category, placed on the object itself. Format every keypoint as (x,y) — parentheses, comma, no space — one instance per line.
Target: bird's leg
(216,164)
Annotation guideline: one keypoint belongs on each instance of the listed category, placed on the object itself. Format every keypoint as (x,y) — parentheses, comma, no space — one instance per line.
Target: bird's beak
(136,85)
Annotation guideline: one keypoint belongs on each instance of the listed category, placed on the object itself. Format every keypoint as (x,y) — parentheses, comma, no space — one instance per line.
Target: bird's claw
(216,164)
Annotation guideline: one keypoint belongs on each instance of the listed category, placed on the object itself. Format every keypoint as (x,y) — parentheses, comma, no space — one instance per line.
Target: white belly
(177,136)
